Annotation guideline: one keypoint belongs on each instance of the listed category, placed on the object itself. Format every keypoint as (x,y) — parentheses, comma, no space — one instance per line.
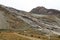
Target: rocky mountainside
(43,10)
(37,22)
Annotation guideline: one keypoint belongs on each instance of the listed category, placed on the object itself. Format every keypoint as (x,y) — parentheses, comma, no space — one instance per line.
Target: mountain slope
(41,25)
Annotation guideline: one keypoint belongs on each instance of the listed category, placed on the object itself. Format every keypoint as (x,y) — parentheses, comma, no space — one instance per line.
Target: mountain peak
(43,10)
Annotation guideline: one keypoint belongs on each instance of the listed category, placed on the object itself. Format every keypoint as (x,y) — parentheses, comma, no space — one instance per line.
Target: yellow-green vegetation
(11,36)
(55,37)
(34,34)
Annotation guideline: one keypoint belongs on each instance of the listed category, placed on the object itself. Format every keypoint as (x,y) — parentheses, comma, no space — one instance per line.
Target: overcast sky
(27,5)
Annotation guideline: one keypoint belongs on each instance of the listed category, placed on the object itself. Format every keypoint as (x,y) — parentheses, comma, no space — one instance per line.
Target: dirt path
(27,37)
